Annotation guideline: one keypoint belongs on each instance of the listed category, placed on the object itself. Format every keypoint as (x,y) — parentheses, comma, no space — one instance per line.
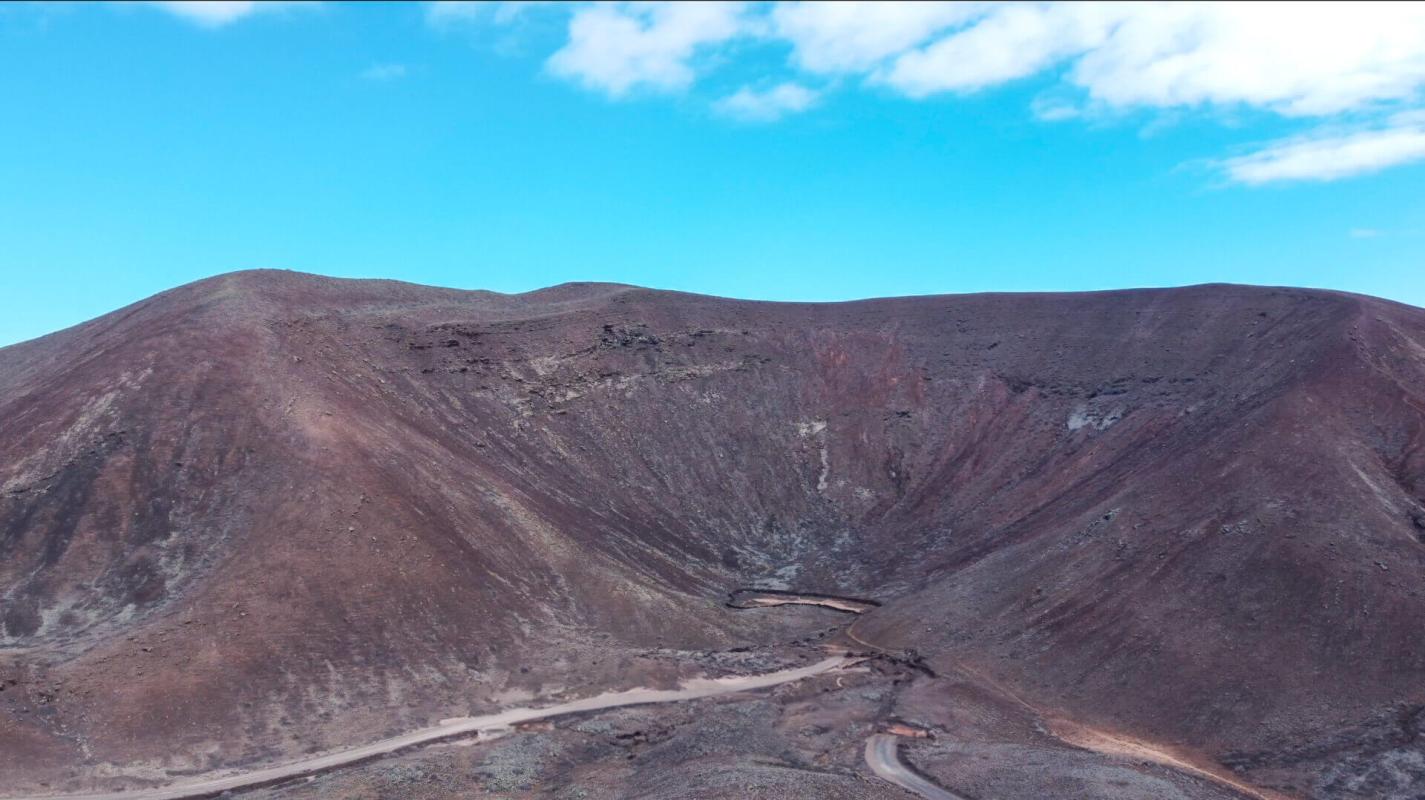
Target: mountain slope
(269,512)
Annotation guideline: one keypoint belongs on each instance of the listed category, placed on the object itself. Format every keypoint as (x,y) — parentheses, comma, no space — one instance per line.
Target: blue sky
(773,151)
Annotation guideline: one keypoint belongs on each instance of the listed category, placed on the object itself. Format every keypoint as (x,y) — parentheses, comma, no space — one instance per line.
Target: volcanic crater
(1156,543)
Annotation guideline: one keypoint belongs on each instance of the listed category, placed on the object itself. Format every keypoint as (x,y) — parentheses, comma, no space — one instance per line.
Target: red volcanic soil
(269,513)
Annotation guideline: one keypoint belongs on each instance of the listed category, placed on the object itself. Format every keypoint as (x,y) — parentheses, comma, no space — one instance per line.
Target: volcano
(1149,543)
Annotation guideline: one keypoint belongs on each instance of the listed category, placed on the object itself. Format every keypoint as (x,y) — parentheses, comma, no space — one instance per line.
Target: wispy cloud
(1365,233)
(1010,42)
(1329,157)
(1054,109)
(1327,61)
(450,12)
(385,72)
(858,36)
(218,13)
(767,105)
(1327,58)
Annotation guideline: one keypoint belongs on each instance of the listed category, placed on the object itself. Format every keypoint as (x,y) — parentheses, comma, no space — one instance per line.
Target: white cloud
(617,48)
(1339,62)
(384,72)
(855,36)
(1364,233)
(1306,59)
(1330,157)
(1012,41)
(217,13)
(767,105)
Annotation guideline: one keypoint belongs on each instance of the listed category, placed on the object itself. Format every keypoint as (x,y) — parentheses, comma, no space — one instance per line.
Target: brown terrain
(1139,544)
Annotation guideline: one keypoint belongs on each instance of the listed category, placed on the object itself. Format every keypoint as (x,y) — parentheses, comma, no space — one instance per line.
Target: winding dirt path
(882,749)
(460,726)
(884,758)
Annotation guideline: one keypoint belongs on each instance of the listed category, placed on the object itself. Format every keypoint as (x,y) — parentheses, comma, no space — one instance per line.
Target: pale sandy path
(752,599)
(884,758)
(826,602)
(460,726)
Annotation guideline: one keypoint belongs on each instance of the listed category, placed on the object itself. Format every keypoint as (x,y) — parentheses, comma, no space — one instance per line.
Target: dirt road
(883,757)
(460,726)
(751,598)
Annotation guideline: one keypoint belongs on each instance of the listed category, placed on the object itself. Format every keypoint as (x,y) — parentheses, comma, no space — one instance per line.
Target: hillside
(270,513)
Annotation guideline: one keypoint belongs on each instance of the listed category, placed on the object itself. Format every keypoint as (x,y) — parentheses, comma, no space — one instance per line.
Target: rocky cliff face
(270,512)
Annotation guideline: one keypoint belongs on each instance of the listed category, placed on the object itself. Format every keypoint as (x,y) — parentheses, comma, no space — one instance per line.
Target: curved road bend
(884,758)
(460,726)
(882,749)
